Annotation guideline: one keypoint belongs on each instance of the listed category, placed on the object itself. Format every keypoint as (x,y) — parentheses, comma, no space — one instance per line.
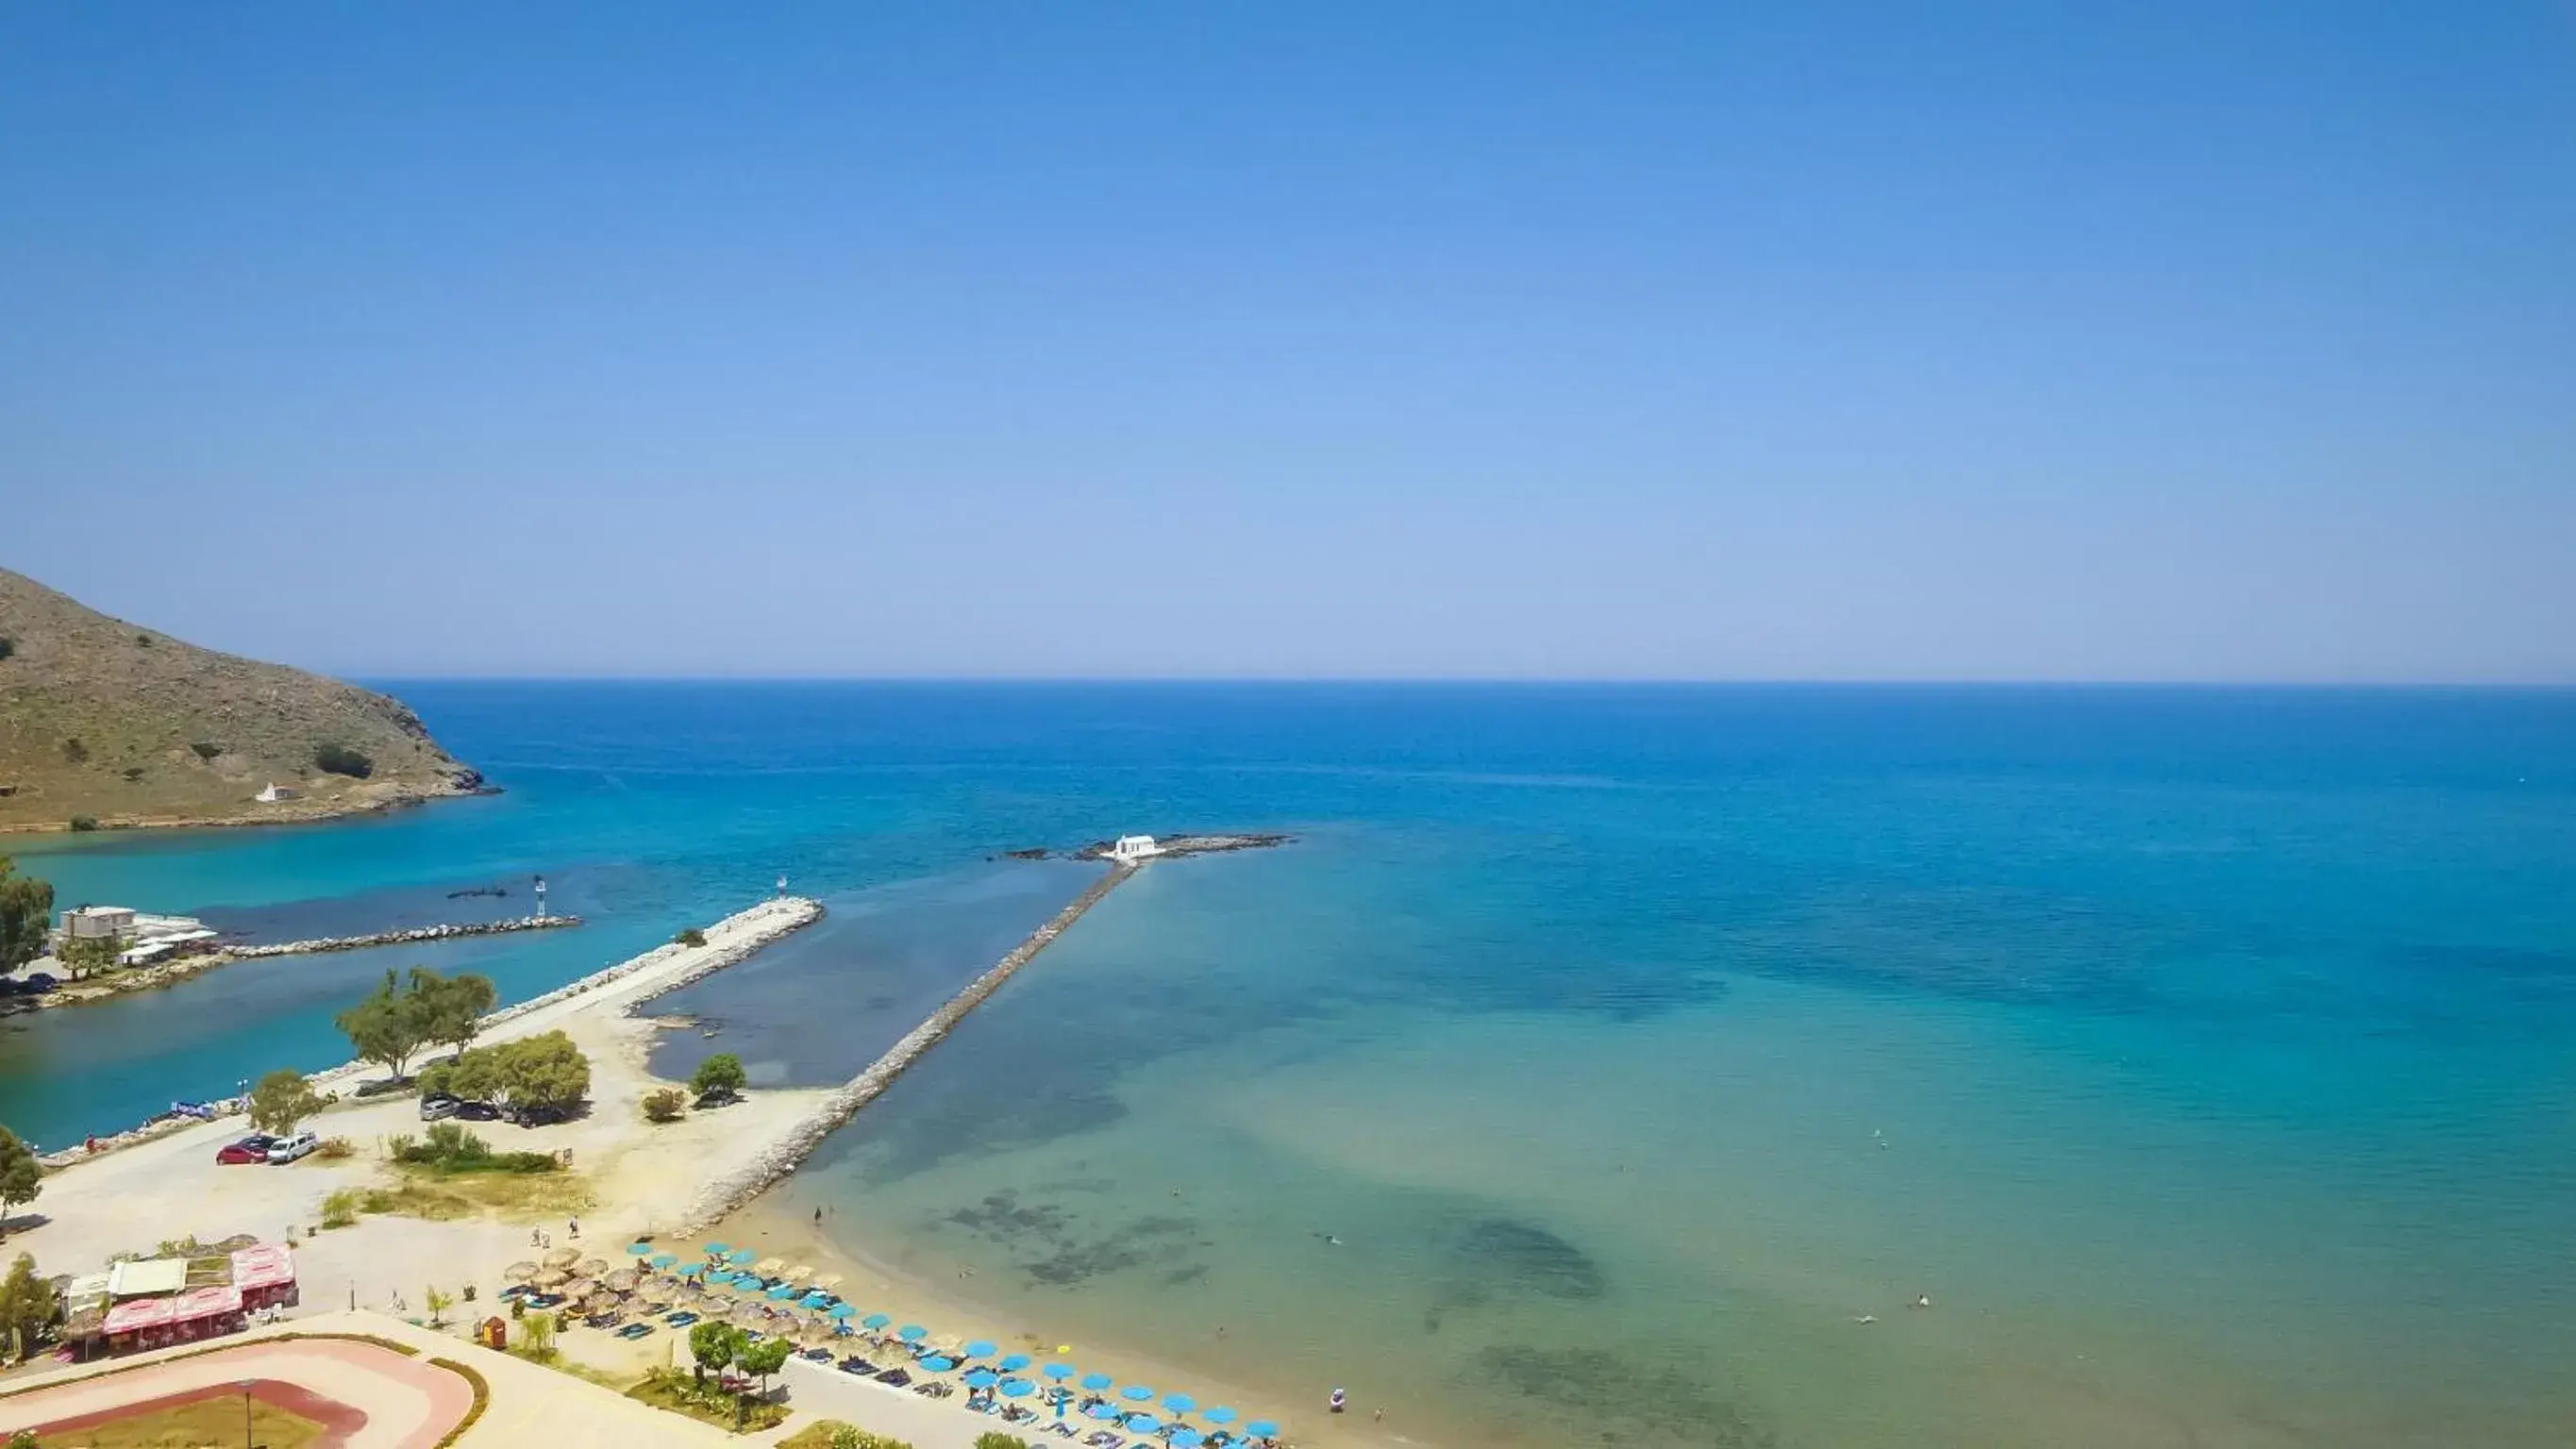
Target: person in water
(1340,1400)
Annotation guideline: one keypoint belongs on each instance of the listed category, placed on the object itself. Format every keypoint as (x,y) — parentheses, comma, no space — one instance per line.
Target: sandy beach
(953,1311)
(642,1176)
(643,1179)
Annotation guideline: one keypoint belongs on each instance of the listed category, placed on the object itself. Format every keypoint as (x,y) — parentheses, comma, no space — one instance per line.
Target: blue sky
(2149,342)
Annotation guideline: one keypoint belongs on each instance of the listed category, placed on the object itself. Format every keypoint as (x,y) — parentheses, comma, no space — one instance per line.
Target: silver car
(288,1149)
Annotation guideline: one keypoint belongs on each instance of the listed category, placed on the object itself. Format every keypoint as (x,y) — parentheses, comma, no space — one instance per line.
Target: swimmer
(1339,1401)
(1921,1300)
(1865,1318)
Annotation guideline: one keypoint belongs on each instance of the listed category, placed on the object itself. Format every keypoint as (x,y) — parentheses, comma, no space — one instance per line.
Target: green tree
(541,1071)
(764,1358)
(664,1105)
(27,1307)
(26,913)
(437,1303)
(713,1345)
(999,1441)
(689,936)
(720,1075)
(280,1100)
(22,1177)
(86,956)
(537,1336)
(386,1027)
(451,1008)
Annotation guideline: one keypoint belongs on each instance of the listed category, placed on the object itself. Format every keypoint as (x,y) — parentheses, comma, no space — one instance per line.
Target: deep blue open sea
(1598,1057)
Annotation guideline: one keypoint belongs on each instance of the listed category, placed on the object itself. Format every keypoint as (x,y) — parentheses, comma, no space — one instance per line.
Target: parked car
(249,1149)
(477,1112)
(438,1106)
(539,1116)
(287,1149)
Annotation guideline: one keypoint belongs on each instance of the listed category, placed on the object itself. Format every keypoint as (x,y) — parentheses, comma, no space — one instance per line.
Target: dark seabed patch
(1161,1243)
(1597,1389)
(1497,1258)
(1002,1218)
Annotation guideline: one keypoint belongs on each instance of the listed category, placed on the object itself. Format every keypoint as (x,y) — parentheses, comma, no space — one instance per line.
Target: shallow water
(2204,1054)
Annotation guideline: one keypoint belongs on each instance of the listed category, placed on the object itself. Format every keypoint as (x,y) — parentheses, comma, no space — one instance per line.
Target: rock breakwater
(726,1194)
(399,938)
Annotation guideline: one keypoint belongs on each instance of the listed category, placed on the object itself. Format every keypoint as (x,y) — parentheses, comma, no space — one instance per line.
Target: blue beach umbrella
(876,1320)
(844,1310)
(1013,1363)
(980,1348)
(739,1255)
(664,1260)
(1179,1403)
(982,1379)
(640,1250)
(1058,1371)
(717,1250)
(1261,1428)
(1142,1423)
(694,1270)
(912,1333)
(1018,1388)
(782,1291)
(1097,1382)
(1187,1439)
(1137,1393)
(937,1365)
(1101,1411)
(1219,1415)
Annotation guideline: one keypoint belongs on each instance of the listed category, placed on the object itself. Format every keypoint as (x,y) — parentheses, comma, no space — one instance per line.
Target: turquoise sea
(1598,1057)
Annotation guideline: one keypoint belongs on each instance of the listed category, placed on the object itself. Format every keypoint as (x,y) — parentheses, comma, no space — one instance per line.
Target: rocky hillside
(118,723)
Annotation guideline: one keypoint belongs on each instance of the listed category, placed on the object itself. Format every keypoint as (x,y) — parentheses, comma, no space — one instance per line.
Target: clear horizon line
(1466,680)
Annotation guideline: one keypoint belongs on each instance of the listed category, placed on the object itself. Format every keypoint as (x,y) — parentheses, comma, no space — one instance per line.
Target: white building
(143,937)
(1134,847)
(95,923)
(274,793)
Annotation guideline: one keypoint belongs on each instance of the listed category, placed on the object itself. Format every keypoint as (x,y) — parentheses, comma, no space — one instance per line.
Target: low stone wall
(726,1194)
(400,938)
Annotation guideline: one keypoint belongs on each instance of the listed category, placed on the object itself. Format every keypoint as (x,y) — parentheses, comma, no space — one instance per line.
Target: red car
(249,1149)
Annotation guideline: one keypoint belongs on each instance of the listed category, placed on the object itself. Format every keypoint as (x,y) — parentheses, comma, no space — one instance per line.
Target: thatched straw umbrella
(593,1267)
(561,1257)
(549,1278)
(621,1281)
(750,1315)
(828,1282)
(519,1272)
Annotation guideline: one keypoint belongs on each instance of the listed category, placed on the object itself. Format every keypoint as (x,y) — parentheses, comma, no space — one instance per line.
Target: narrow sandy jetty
(664,968)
